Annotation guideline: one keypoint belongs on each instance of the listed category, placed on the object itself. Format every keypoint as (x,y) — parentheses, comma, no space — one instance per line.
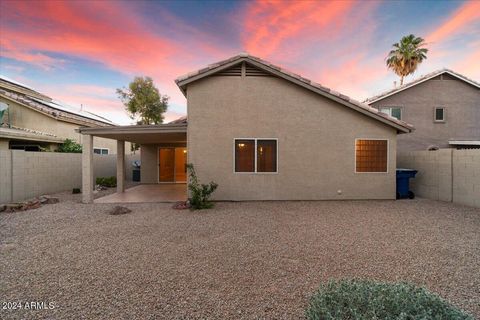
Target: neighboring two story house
(443,106)
(36,122)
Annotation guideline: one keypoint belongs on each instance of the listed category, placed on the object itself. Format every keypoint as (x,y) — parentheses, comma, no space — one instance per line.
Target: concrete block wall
(445,174)
(5,175)
(466,177)
(25,175)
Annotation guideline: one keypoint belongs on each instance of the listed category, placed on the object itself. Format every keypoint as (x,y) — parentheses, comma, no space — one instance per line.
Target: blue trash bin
(403,179)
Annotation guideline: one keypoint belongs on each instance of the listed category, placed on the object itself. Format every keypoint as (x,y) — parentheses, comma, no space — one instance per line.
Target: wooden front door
(166,164)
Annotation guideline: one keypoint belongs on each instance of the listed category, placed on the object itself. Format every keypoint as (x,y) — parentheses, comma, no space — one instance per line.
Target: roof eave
(416,82)
(147,129)
(182,83)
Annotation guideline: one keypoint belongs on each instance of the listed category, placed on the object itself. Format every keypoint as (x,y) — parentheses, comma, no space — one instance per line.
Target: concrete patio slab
(148,193)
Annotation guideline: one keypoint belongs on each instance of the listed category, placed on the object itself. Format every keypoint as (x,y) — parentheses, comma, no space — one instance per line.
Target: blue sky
(81,51)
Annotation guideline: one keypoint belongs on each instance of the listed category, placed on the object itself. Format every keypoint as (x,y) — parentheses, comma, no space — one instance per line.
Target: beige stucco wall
(24,175)
(316,141)
(3,144)
(149,163)
(24,117)
(446,174)
(462,103)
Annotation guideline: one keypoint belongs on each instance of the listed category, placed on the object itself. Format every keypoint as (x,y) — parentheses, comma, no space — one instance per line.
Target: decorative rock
(13,207)
(181,205)
(3,207)
(48,200)
(119,210)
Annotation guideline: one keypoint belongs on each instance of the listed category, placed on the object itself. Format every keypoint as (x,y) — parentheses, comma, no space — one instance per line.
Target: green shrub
(70,146)
(108,182)
(363,299)
(200,192)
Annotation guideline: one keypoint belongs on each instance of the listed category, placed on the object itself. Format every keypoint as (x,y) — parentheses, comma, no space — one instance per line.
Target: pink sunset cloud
(341,44)
(269,24)
(80,31)
(328,42)
(460,22)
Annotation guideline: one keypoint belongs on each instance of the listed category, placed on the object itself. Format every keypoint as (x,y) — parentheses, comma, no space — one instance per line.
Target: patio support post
(120,166)
(87,168)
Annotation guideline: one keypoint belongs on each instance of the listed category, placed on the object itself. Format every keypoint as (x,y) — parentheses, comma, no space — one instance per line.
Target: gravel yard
(238,261)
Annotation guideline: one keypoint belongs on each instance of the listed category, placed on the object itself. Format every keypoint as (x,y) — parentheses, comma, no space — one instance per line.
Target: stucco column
(120,166)
(87,168)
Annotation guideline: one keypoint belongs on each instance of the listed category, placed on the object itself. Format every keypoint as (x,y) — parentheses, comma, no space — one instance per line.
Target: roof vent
(252,71)
(236,70)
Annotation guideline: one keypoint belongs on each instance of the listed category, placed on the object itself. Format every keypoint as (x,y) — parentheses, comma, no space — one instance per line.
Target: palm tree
(406,55)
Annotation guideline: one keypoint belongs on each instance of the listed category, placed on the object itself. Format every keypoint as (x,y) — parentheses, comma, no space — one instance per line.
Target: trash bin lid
(136,163)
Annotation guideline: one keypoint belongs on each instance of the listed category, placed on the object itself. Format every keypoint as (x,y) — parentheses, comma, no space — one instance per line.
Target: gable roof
(26,96)
(183,81)
(423,78)
(182,119)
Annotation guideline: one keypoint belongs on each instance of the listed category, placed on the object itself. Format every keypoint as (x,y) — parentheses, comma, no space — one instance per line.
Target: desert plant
(109,182)
(70,146)
(200,193)
(365,299)
(406,55)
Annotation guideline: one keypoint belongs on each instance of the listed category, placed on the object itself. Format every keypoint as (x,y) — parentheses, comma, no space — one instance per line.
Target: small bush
(109,182)
(200,192)
(76,190)
(363,299)
(70,146)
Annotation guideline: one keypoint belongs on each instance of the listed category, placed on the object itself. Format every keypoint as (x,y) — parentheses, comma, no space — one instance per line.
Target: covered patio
(171,192)
(163,155)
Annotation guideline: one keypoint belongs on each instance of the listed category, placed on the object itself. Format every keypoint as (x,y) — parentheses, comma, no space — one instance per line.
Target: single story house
(444,107)
(264,133)
(37,122)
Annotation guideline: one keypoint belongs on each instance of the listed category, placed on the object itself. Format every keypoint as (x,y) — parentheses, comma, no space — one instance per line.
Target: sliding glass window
(256,155)
(266,155)
(245,155)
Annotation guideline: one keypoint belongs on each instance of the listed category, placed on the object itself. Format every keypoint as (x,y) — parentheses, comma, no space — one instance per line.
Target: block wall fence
(445,174)
(24,175)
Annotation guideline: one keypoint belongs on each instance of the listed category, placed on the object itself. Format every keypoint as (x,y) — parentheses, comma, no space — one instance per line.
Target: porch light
(241,145)
(184,151)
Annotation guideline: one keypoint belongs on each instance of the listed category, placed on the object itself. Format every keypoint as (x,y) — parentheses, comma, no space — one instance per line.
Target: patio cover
(142,134)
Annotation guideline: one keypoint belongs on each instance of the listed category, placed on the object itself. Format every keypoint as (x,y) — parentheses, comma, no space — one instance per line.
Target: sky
(79,52)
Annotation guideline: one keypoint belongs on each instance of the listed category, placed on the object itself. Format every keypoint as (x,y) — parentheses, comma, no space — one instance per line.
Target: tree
(406,55)
(143,101)
(70,146)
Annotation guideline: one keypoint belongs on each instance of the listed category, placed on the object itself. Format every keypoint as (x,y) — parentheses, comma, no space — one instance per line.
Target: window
(244,155)
(371,155)
(439,114)
(266,155)
(395,112)
(100,150)
(256,155)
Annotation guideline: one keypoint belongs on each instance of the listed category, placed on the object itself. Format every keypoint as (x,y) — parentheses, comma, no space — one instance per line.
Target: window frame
(435,114)
(255,156)
(388,155)
(390,112)
(101,154)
